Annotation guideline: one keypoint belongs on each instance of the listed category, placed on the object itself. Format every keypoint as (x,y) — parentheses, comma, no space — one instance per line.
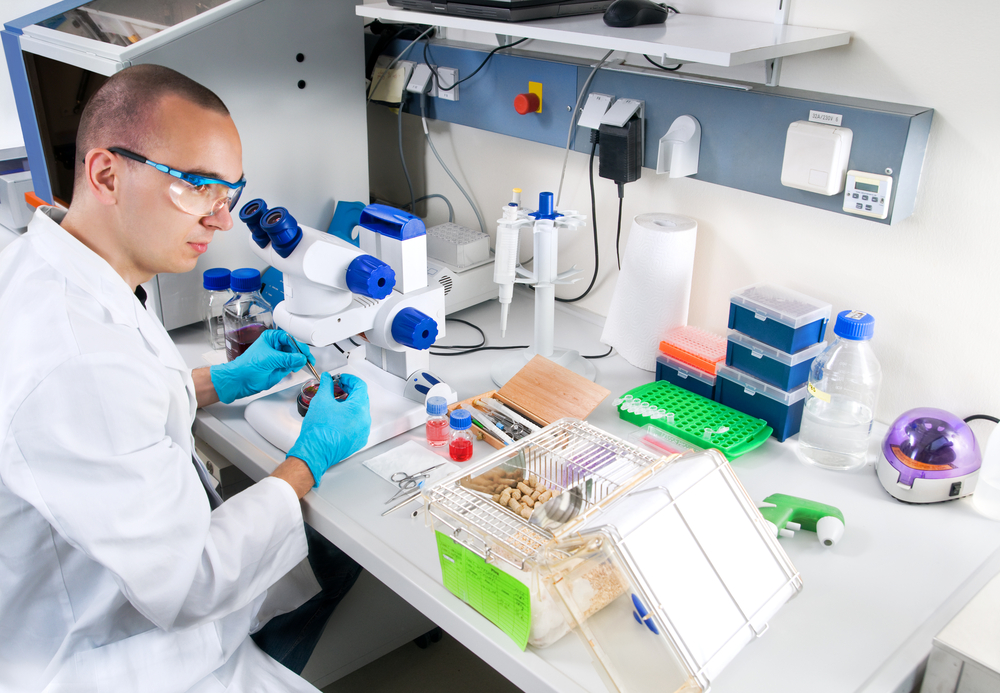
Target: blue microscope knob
(412,328)
(369,276)
(283,229)
(250,215)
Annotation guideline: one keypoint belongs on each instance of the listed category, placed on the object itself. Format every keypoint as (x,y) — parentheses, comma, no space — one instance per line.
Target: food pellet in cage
(597,588)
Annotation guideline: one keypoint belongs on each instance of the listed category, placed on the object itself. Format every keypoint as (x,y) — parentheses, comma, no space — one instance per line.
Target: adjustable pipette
(505,256)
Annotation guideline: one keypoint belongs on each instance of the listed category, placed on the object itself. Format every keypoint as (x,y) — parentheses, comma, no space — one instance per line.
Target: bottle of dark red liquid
(460,443)
(247,314)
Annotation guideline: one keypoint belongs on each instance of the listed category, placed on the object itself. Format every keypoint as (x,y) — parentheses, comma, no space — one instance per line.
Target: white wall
(931,281)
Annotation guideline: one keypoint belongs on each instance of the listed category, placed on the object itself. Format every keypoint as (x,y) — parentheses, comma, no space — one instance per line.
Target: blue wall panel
(743,129)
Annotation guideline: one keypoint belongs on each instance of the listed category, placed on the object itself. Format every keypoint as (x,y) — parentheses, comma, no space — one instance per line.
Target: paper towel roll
(654,286)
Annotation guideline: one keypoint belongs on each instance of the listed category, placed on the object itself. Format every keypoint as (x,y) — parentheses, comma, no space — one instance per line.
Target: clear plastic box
(773,366)
(612,572)
(780,409)
(783,318)
(686,376)
(695,346)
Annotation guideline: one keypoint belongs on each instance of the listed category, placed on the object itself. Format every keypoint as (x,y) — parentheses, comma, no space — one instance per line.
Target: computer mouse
(623,13)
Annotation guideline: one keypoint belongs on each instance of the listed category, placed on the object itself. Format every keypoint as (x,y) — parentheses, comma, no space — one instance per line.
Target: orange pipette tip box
(695,347)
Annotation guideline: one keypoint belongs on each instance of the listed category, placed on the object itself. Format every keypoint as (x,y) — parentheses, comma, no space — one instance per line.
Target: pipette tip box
(783,318)
(781,410)
(695,347)
(686,376)
(773,366)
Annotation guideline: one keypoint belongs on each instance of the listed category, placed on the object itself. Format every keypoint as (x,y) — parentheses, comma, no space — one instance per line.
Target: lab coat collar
(92,273)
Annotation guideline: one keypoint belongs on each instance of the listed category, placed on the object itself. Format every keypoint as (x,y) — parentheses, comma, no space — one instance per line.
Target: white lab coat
(115,574)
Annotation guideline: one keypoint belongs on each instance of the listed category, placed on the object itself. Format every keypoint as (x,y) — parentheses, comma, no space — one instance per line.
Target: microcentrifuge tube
(722,429)
(670,418)
(707,435)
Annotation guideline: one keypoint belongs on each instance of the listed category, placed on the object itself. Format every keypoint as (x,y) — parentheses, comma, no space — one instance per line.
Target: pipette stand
(544,278)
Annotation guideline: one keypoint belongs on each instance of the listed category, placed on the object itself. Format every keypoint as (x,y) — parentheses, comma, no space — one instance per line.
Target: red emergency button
(526,103)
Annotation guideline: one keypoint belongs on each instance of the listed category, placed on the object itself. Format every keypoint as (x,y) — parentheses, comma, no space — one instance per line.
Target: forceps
(408,482)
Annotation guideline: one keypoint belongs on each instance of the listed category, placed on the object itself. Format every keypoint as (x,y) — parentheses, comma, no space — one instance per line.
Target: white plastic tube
(545,290)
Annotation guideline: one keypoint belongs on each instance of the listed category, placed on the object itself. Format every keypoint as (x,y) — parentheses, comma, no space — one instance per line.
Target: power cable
(675,68)
(395,60)
(427,134)
(437,77)
(601,356)
(593,212)
(618,235)
(573,117)
(451,210)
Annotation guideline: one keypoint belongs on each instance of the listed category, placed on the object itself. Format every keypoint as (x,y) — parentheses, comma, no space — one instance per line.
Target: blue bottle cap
(855,325)
(460,419)
(244,280)
(215,279)
(436,406)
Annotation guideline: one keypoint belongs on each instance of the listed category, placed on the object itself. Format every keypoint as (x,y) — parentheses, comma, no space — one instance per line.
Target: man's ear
(101,169)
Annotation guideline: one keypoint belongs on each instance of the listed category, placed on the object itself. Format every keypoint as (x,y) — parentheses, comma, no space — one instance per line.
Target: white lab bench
(865,619)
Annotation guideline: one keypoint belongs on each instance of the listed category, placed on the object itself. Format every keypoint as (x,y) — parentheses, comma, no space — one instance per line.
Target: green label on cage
(500,597)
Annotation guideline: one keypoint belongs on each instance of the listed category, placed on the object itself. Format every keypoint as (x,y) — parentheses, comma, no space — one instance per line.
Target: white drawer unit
(867,194)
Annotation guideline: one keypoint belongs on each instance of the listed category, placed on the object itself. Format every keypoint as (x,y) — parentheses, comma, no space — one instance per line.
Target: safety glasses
(193,193)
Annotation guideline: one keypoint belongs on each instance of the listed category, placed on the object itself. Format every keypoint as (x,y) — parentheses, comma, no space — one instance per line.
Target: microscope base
(505,369)
(276,418)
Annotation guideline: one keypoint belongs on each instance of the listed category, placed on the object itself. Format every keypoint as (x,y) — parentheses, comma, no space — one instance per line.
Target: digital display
(867,187)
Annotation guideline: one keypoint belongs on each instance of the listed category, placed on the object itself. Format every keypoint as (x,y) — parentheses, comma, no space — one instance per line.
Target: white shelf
(685,37)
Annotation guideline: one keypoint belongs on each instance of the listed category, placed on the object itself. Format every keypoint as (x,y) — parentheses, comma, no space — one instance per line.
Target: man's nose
(221,220)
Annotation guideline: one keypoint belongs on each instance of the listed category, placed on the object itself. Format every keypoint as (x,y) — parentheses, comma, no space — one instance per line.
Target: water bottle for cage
(842,392)
(246,314)
(216,284)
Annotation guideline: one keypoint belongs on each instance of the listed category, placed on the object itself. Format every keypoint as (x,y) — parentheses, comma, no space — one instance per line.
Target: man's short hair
(120,113)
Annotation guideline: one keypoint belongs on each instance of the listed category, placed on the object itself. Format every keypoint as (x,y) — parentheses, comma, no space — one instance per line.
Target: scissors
(408,482)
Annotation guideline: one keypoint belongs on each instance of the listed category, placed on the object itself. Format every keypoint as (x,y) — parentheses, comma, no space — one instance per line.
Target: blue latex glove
(268,360)
(333,430)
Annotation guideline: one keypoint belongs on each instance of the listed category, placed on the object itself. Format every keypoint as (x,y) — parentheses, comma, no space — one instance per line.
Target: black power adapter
(621,161)
(621,152)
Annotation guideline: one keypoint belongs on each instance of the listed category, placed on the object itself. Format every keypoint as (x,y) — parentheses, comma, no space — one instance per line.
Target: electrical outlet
(446,77)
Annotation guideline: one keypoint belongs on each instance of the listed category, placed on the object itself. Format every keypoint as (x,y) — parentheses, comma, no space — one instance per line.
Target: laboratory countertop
(869,607)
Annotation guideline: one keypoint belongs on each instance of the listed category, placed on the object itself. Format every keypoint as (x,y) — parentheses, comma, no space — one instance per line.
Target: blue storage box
(686,376)
(781,410)
(777,316)
(773,366)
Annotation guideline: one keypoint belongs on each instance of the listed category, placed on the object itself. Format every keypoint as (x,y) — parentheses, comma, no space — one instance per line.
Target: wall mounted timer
(867,194)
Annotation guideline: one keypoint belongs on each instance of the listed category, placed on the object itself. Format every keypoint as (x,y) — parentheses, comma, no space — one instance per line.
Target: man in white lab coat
(119,569)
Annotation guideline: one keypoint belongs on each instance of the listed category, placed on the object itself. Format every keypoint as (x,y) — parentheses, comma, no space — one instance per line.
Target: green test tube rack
(731,432)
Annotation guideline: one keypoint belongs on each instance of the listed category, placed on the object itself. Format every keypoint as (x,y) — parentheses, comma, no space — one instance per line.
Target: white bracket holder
(772,67)
(680,148)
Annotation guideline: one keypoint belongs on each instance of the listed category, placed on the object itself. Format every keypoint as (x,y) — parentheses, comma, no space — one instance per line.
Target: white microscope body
(334,292)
